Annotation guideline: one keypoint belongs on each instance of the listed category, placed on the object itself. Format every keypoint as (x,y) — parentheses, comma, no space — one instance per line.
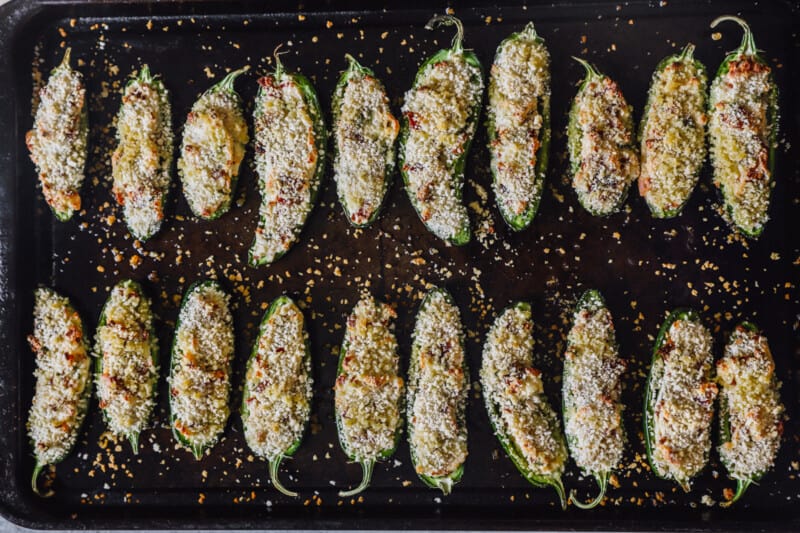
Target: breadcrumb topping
(369,389)
(514,393)
(740,131)
(57,142)
(214,140)
(439,113)
(750,397)
(684,400)
(286,159)
(592,387)
(437,389)
(126,345)
(364,133)
(673,136)
(604,160)
(63,378)
(519,93)
(278,384)
(141,163)
(200,377)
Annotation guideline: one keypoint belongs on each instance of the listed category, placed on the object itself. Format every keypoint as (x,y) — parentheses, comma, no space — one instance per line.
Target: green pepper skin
(510,447)
(366,466)
(274,465)
(655,375)
(320,142)
(464,234)
(443,483)
(591,300)
(133,438)
(356,69)
(196,450)
(748,49)
(80,417)
(522,221)
(685,56)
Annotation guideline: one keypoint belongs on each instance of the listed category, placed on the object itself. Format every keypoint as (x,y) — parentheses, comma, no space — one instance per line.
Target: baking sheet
(643,266)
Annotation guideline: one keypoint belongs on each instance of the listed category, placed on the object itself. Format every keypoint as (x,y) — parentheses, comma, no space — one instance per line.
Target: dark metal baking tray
(643,266)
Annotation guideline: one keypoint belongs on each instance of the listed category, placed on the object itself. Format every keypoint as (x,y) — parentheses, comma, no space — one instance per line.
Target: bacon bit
(74,334)
(36,346)
(413,120)
(746,65)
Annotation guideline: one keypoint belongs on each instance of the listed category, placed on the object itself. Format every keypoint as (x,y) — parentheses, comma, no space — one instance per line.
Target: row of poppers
(439,118)
(370,393)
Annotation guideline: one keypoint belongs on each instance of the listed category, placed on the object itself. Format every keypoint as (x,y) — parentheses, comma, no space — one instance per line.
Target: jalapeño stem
(144,74)
(366,467)
(602,482)
(449,20)
(227,82)
(276,54)
(133,438)
(748,46)
(741,487)
(687,53)
(36,471)
(557,484)
(352,62)
(591,72)
(67,55)
(274,465)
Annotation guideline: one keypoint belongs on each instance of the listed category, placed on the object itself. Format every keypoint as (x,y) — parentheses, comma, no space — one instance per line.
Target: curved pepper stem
(274,465)
(67,54)
(227,82)
(144,75)
(34,485)
(741,487)
(687,54)
(602,482)
(591,72)
(352,62)
(276,54)
(197,451)
(133,438)
(449,20)
(748,46)
(366,467)
(557,484)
